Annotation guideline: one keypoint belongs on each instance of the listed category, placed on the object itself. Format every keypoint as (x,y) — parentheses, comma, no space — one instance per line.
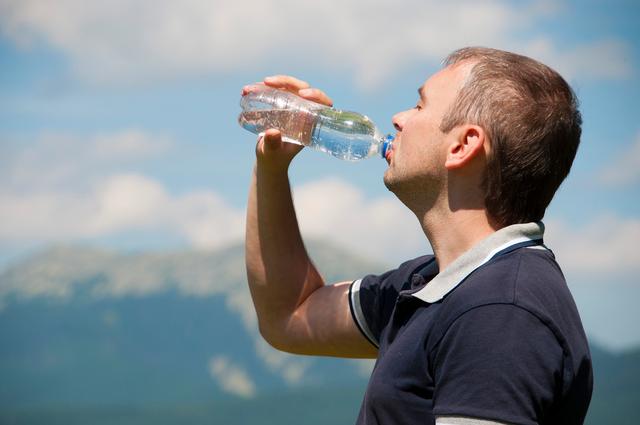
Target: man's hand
(271,152)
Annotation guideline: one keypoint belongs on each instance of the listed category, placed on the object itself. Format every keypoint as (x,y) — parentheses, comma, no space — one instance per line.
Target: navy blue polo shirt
(494,336)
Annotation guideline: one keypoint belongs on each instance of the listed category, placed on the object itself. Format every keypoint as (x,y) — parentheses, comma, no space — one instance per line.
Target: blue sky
(118,124)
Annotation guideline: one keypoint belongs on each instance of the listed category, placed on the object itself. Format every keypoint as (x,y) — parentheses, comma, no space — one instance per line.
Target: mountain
(84,328)
(96,336)
(616,394)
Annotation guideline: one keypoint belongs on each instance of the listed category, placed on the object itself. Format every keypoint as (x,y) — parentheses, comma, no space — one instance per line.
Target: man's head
(528,117)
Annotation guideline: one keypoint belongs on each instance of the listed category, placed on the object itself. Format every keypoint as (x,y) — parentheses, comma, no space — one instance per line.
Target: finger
(286,82)
(315,95)
(272,139)
(251,87)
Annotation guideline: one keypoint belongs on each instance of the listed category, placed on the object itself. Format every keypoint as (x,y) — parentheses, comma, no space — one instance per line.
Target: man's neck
(453,233)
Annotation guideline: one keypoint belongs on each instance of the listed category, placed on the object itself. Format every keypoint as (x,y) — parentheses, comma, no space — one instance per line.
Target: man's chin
(389,180)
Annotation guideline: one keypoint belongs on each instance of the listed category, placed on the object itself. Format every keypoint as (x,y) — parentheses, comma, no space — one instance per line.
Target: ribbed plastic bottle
(346,135)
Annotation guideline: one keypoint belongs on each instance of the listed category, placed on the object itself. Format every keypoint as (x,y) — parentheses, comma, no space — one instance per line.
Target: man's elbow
(273,337)
(279,339)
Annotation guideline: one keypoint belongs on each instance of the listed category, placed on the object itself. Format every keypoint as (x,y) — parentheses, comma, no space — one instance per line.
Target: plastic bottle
(346,135)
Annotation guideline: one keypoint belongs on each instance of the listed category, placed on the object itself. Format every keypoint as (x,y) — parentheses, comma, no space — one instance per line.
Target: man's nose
(398,121)
(400,118)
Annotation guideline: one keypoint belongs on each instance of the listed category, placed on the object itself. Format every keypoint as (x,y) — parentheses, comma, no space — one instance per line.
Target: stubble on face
(416,171)
(416,191)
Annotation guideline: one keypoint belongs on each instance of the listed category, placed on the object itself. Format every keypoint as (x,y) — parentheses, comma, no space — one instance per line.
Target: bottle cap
(386,145)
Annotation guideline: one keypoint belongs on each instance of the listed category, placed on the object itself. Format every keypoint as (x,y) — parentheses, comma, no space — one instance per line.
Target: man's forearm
(279,271)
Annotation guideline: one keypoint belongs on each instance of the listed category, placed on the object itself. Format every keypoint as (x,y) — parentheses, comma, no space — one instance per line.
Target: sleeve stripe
(357,314)
(463,420)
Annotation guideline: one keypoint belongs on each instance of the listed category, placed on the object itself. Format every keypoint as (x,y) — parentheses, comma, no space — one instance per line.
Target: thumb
(272,139)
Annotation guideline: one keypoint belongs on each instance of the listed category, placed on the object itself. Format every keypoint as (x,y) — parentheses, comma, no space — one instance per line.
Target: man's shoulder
(526,280)
(514,278)
(414,265)
(400,275)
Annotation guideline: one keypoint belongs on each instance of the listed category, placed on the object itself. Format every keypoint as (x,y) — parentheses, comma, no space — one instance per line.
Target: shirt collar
(505,238)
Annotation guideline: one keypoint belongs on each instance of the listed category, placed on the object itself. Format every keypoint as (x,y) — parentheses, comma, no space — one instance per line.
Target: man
(485,331)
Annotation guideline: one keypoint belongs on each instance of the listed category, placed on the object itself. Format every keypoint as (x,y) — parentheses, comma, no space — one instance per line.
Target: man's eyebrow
(421,93)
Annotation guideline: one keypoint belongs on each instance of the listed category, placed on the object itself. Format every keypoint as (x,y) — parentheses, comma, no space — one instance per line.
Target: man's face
(419,149)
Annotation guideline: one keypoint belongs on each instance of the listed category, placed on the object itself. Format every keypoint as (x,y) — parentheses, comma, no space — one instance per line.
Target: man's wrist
(268,169)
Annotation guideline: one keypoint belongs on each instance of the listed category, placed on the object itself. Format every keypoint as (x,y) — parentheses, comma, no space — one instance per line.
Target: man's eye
(418,107)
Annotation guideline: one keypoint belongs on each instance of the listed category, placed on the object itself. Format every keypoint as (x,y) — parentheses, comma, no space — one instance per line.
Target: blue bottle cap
(386,145)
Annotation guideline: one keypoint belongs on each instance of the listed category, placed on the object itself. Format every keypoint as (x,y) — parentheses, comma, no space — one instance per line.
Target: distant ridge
(166,337)
(88,326)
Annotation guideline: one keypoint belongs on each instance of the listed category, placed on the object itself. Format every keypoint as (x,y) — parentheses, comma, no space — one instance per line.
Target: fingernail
(270,79)
(305,92)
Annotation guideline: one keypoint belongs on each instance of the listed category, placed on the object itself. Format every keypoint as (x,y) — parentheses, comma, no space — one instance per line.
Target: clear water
(295,127)
(343,134)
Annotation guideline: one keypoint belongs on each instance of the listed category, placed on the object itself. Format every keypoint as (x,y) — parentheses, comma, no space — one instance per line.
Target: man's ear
(467,144)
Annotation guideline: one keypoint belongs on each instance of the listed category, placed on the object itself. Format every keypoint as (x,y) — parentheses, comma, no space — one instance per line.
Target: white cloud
(379,228)
(600,59)
(64,187)
(290,367)
(53,160)
(138,40)
(121,203)
(128,144)
(604,246)
(231,377)
(624,168)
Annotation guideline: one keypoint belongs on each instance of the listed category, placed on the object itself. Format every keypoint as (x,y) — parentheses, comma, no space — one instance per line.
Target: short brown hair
(531,117)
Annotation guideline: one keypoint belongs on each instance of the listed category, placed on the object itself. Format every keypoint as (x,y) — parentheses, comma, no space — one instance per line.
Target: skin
(436,175)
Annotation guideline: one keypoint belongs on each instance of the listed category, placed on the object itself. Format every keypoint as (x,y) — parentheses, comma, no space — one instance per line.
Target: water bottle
(346,135)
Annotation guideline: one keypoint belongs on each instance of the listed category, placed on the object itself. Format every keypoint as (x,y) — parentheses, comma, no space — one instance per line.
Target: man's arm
(296,311)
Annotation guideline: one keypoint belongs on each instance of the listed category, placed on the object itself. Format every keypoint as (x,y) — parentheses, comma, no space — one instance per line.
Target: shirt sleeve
(372,298)
(497,362)
(370,301)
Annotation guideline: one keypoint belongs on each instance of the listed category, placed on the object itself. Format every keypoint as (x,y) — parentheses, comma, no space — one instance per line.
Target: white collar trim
(445,281)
